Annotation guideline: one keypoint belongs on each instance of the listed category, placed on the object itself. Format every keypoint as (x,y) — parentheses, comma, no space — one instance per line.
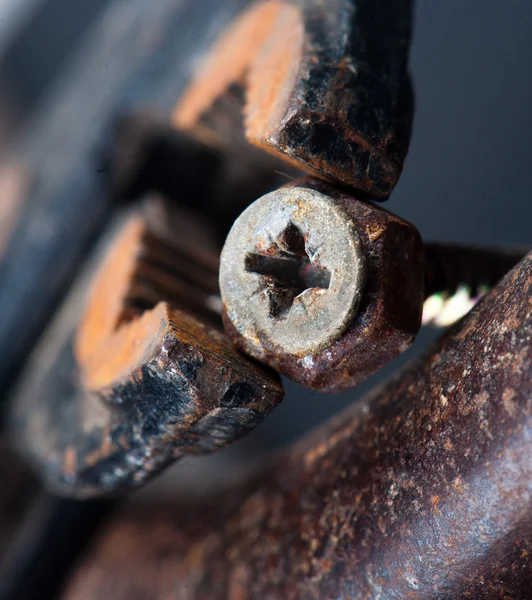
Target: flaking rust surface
(321,85)
(189,394)
(421,491)
(349,117)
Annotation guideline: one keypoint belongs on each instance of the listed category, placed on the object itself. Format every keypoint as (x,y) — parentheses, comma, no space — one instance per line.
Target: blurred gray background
(467,177)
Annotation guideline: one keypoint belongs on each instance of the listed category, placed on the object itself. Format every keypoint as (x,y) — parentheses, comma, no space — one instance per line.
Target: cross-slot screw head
(293,270)
(321,286)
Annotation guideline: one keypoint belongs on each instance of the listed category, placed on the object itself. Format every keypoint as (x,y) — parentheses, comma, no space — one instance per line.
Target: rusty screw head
(321,286)
(293,270)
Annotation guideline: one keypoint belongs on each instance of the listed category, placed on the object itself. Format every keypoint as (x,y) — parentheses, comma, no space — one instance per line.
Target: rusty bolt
(322,85)
(304,270)
(158,379)
(327,289)
(322,287)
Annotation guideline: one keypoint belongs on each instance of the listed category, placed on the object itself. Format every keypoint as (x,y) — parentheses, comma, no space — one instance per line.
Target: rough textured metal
(156,381)
(421,491)
(303,270)
(322,84)
(127,61)
(346,336)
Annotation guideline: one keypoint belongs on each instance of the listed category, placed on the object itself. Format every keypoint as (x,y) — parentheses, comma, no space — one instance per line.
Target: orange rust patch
(374,231)
(228,62)
(128,348)
(434,506)
(273,76)
(105,303)
(106,349)
(458,485)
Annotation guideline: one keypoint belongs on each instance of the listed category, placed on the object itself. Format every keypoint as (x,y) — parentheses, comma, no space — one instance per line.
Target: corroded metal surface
(128,61)
(368,313)
(158,379)
(422,491)
(293,270)
(323,85)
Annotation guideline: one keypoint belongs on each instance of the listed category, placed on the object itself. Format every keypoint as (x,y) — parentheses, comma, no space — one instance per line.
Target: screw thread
(457,277)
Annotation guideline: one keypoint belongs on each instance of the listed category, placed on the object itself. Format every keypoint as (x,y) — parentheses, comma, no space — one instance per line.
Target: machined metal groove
(199,270)
(152,282)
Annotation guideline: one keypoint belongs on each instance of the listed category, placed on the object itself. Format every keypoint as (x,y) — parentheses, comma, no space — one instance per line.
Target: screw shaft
(457,277)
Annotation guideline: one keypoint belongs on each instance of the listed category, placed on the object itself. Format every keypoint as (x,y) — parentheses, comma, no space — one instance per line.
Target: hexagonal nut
(324,288)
